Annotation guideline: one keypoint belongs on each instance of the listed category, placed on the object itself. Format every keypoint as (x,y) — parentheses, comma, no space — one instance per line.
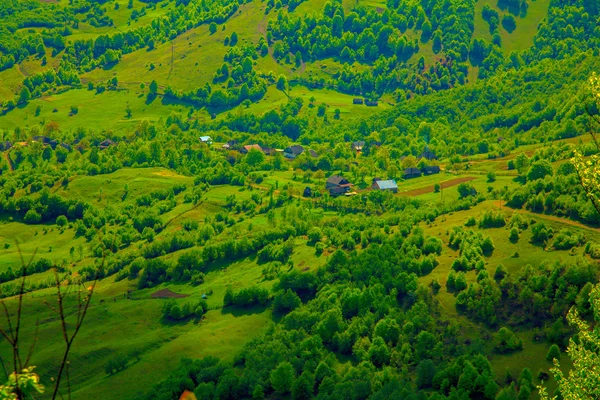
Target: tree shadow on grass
(150,98)
(242,311)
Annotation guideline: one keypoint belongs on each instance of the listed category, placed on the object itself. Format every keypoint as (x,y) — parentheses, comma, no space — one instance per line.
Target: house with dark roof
(66,146)
(269,151)
(307,192)
(389,185)
(358,145)
(337,185)
(293,151)
(42,139)
(357,100)
(5,145)
(427,154)
(431,170)
(106,144)
(371,103)
(231,145)
(410,173)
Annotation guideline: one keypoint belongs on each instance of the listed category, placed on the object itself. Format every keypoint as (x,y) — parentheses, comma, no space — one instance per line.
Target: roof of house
(106,143)
(358,144)
(413,170)
(337,190)
(43,139)
(295,149)
(428,154)
(338,180)
(389,184)
(249,147)
(205,138)
(432,168)
(313,153)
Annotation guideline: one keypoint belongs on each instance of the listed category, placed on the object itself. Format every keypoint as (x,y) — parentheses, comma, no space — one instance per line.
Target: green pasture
(522,37)
(107,110)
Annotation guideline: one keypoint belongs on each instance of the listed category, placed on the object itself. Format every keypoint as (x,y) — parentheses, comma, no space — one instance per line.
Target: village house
(337,185)
(371,103)
(269,151)
(358,145)
(357,100)
(106,144)
(431,170)
(313,153)
(410,173)
(231,145)
(428,154)
(66,146)
(5,145)
(292,152)
(307,192)
(205,139)
(389,185)
(42,139)
(246,149)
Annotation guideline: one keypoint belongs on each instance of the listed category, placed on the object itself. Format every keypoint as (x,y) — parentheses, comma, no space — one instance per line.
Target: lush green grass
(46,241)
(533,355)
(105,109)
(522,37)
(104,190)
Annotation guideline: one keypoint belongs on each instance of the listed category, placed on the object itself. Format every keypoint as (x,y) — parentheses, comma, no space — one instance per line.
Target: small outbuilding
(307,192)
(357,100)
(337,185)
(293,151)
(5,145)
(246,149)
(358,145)
(389,185)
(206,139)
(410,173)
(106,144)
(428,154)
(431,170)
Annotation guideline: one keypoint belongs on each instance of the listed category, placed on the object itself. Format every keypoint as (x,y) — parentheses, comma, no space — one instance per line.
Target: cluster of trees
(35,85)
(539,295)
(547,191)
(175,312)
(382,41)
(246,297)
(472,246)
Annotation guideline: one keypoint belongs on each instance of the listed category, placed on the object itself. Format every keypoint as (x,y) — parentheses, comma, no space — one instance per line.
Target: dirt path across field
(444,185)
(554,218)
(10,167)
(167,294)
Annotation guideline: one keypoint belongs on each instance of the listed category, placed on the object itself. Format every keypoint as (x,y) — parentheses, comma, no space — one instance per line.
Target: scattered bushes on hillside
(492,219)
(505,341)
(174,312)
(566,239)
(541,233)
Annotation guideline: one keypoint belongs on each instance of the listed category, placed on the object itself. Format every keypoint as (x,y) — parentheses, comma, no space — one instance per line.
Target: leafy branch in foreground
(583,381)
(22,380)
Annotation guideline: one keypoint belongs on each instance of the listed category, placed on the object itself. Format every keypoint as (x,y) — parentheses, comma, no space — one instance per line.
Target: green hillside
(298,199)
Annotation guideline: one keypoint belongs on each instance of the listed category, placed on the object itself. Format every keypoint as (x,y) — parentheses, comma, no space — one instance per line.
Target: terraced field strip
(444,185)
